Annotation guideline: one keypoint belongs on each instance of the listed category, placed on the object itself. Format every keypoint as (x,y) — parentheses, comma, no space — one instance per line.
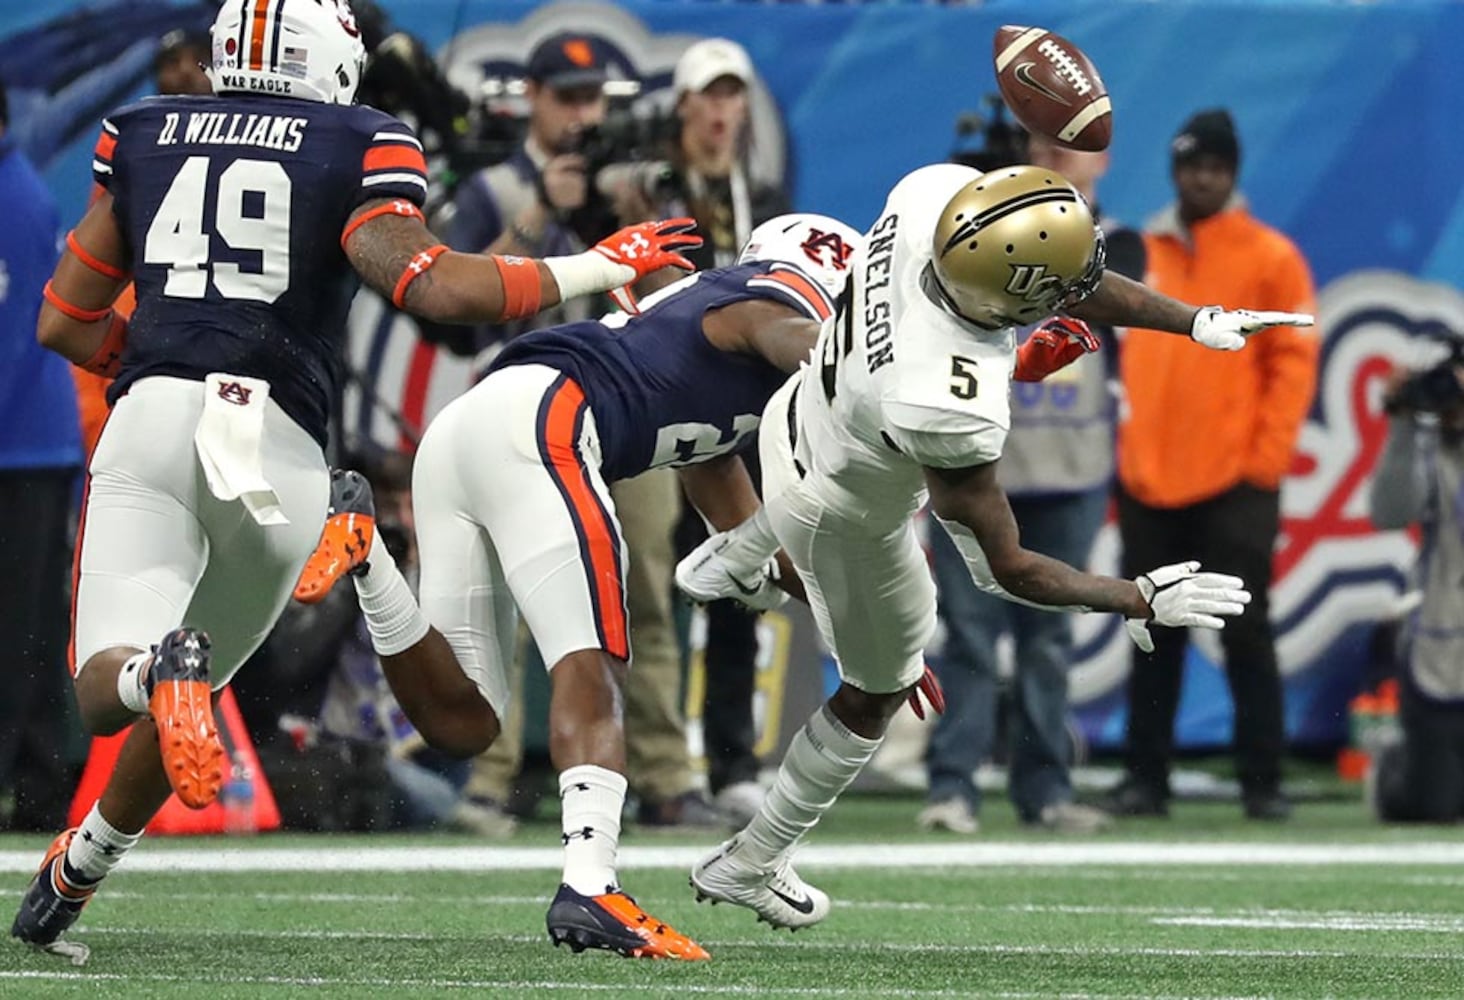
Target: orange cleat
(180,700)
(345,542)
(52,903)
(615,922)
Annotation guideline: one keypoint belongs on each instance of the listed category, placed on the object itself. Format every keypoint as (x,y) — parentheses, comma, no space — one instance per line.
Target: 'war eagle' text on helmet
(308,49)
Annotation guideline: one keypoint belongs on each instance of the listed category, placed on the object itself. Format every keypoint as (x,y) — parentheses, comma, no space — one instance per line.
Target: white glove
(1222,330)
(712,571)
(1180,596)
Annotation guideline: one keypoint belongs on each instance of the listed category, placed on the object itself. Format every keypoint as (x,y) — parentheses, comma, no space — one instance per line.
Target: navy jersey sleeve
(791,286)
(105,151)
(392,165)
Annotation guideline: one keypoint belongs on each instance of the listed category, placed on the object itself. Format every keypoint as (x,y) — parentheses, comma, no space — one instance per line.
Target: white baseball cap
(708,60)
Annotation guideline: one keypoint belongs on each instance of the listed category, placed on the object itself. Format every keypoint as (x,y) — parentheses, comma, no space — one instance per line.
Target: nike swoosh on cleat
(804,905)
(749,591)
(1023,73)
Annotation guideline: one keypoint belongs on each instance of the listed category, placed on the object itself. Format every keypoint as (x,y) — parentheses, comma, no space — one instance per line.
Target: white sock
(820,763)
(392,615)
(591,799)
(97,848)
(131,683)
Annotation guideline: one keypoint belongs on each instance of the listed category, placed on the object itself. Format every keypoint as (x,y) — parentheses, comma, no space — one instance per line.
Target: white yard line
(1428,923)
(1199,916)
(355,858)
(789,943)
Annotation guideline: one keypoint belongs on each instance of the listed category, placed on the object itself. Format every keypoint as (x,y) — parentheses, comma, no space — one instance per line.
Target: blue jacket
(39,426)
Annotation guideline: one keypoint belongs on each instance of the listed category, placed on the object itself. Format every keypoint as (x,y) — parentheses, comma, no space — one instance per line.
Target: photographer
(1420,478)
(523,205)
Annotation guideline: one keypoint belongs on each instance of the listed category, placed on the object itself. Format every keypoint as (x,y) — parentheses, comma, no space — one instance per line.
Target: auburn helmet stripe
(259,26)
(790,283)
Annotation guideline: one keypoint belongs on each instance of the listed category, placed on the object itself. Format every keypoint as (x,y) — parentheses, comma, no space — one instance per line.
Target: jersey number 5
(251,212)
(963,377)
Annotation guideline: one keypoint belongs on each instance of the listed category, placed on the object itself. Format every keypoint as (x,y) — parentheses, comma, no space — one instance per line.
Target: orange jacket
(1200,422)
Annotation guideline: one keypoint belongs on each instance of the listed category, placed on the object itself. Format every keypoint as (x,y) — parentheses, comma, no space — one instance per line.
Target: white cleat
(778,897)
(713,571)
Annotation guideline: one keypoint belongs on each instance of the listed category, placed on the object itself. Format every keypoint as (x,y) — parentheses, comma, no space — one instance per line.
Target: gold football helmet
(1015,246)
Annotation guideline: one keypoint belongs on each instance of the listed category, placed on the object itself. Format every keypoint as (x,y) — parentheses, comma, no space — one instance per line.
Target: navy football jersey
(232,208)
(662,395)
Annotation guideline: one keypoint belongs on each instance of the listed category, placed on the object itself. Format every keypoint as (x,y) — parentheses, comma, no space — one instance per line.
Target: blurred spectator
(40,455)
(1057,471)
(1420,479)
(1203,448)
(178,65)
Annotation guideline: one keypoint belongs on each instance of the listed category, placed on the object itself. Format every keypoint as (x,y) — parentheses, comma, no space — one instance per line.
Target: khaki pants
(658,764)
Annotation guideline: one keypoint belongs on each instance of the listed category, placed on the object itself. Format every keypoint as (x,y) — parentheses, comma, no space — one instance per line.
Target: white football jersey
(898,381)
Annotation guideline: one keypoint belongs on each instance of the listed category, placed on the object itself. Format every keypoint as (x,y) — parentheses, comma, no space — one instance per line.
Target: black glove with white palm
(1226,330)
(1180,596)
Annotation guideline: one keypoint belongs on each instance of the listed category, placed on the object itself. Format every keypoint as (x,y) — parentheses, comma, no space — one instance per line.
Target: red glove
(929,686)
(1056,344)
(650,246)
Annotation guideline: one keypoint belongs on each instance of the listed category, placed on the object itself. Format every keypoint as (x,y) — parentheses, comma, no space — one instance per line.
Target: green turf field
(1340,908)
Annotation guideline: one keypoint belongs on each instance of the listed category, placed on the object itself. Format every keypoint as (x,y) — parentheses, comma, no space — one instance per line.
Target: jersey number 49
(250,212)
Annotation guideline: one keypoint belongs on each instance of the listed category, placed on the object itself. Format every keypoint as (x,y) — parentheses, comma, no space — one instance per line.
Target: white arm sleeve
(980,568)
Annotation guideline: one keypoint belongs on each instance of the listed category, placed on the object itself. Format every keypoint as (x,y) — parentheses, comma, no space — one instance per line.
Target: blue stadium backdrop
(1349,116)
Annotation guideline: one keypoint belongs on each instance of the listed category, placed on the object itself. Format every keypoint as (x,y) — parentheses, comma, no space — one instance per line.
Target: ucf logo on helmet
(1032,283)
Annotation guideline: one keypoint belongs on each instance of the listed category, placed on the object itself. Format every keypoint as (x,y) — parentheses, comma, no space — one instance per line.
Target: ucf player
(907,399)
(240,216)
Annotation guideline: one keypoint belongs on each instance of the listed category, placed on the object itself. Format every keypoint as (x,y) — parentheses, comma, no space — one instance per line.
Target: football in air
(1052,88)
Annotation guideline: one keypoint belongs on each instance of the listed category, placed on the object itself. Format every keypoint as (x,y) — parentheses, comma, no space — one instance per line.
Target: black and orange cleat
(52,903)
(180,700)
(345,541)
(615,922)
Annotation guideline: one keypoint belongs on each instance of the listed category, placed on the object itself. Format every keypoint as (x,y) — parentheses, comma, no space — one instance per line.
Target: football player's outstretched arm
(779,334)
(1120,301)
(395,253)
(974,509)
(76,319)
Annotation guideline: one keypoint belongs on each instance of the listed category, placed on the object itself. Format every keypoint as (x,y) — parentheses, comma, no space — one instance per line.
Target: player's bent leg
(103,711)
(442,703)
(170,685)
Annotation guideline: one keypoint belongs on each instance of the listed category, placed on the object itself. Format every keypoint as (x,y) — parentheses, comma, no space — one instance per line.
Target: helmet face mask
(309,49)
(1015,246)
(819,245)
